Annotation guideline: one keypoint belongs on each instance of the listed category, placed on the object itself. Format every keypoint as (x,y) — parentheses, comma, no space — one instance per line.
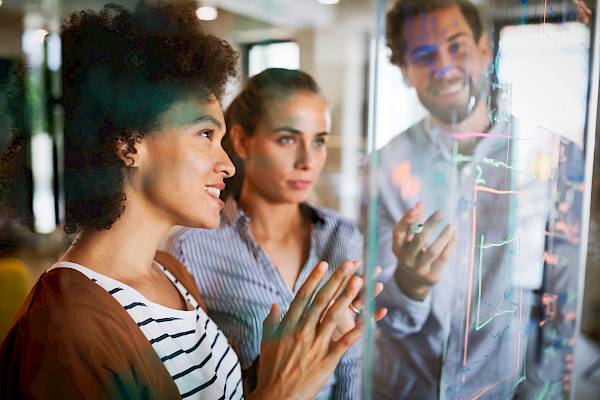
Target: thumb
(412,216)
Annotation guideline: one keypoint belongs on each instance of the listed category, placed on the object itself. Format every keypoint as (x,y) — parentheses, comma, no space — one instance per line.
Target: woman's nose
(225,165)
(305,158)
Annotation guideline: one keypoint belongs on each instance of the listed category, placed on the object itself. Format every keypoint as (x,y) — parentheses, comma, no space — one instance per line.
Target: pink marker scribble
(409,185)
(467,135)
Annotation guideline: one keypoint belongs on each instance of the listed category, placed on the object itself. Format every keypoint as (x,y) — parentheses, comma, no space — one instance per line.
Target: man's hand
(420,266)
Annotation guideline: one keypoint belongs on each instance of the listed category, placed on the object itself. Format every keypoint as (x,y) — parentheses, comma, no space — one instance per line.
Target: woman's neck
(270,219)
(126,250)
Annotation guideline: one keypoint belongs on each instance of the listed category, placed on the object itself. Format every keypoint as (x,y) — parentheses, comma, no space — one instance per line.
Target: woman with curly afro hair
(114,318)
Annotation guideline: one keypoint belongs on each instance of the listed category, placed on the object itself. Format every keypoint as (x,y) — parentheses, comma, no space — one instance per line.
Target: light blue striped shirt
(239,283)
(474,336)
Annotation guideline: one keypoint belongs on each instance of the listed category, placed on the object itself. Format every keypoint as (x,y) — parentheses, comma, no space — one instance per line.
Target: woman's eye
(320,142)
(207,134)
(287,140)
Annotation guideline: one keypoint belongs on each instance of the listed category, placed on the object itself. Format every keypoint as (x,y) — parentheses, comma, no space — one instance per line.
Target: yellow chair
(14,285)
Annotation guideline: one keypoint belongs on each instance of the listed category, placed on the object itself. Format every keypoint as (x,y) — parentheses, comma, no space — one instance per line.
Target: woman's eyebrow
(208,118)
(288,129)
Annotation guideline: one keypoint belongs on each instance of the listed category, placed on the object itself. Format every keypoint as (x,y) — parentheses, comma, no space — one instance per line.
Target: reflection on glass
(488,155)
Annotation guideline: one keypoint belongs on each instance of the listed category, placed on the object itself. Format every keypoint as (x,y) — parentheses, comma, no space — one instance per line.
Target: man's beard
(456,113)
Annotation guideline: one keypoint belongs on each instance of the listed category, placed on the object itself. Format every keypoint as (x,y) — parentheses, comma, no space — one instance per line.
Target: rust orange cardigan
(73,340)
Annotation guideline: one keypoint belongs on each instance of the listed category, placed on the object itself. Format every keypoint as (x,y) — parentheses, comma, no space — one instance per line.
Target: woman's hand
(349,320)
(299,354)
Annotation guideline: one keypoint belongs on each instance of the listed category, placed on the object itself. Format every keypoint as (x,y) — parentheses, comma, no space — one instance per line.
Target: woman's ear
(129,151)
(239,141)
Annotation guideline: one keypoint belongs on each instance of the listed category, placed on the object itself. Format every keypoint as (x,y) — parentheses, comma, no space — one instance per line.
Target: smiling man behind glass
(460,292)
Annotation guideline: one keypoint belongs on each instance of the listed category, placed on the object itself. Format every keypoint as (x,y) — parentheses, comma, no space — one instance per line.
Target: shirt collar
(233,214)
(442,140)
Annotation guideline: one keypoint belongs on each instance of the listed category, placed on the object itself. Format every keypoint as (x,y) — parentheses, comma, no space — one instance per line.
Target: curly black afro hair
(122,70)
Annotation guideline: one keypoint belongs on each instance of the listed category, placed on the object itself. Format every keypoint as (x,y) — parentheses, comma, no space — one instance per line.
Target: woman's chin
(204,222)
(298,197)
(213,224)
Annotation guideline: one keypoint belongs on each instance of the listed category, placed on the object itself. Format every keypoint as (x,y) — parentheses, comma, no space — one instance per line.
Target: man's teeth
(451,89)
(213,191)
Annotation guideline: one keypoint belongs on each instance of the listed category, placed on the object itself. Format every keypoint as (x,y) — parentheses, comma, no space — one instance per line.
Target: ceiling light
(329,1)
(207,13)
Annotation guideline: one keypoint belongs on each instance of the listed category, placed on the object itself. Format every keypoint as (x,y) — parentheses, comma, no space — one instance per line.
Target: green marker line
(496,314)
(500,244)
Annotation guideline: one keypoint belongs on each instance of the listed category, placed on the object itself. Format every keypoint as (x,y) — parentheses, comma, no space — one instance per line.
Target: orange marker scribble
(409,185)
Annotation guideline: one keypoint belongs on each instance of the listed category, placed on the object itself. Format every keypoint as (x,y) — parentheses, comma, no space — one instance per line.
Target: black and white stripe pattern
(190,345)
(239,283)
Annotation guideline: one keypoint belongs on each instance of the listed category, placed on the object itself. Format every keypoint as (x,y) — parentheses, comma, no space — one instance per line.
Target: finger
(316,310)
(271,323)
(399,233)
(304,296)
(339,347)
(380,314)
(345,281)
(420,240)
(339,309)
(378,288)
(359,266)
(410,235)
(443,258)
(359,302)
(376,272)
(341,288)
(435,249)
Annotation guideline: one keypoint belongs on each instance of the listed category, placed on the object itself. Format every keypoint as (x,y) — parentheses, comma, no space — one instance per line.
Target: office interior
(545,69)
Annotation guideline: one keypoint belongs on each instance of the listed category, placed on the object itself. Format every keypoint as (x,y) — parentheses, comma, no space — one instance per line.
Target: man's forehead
(437,25)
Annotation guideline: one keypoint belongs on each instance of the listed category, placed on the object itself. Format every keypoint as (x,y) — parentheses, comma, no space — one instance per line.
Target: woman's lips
(218,200)
(299,184)
(214,193)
